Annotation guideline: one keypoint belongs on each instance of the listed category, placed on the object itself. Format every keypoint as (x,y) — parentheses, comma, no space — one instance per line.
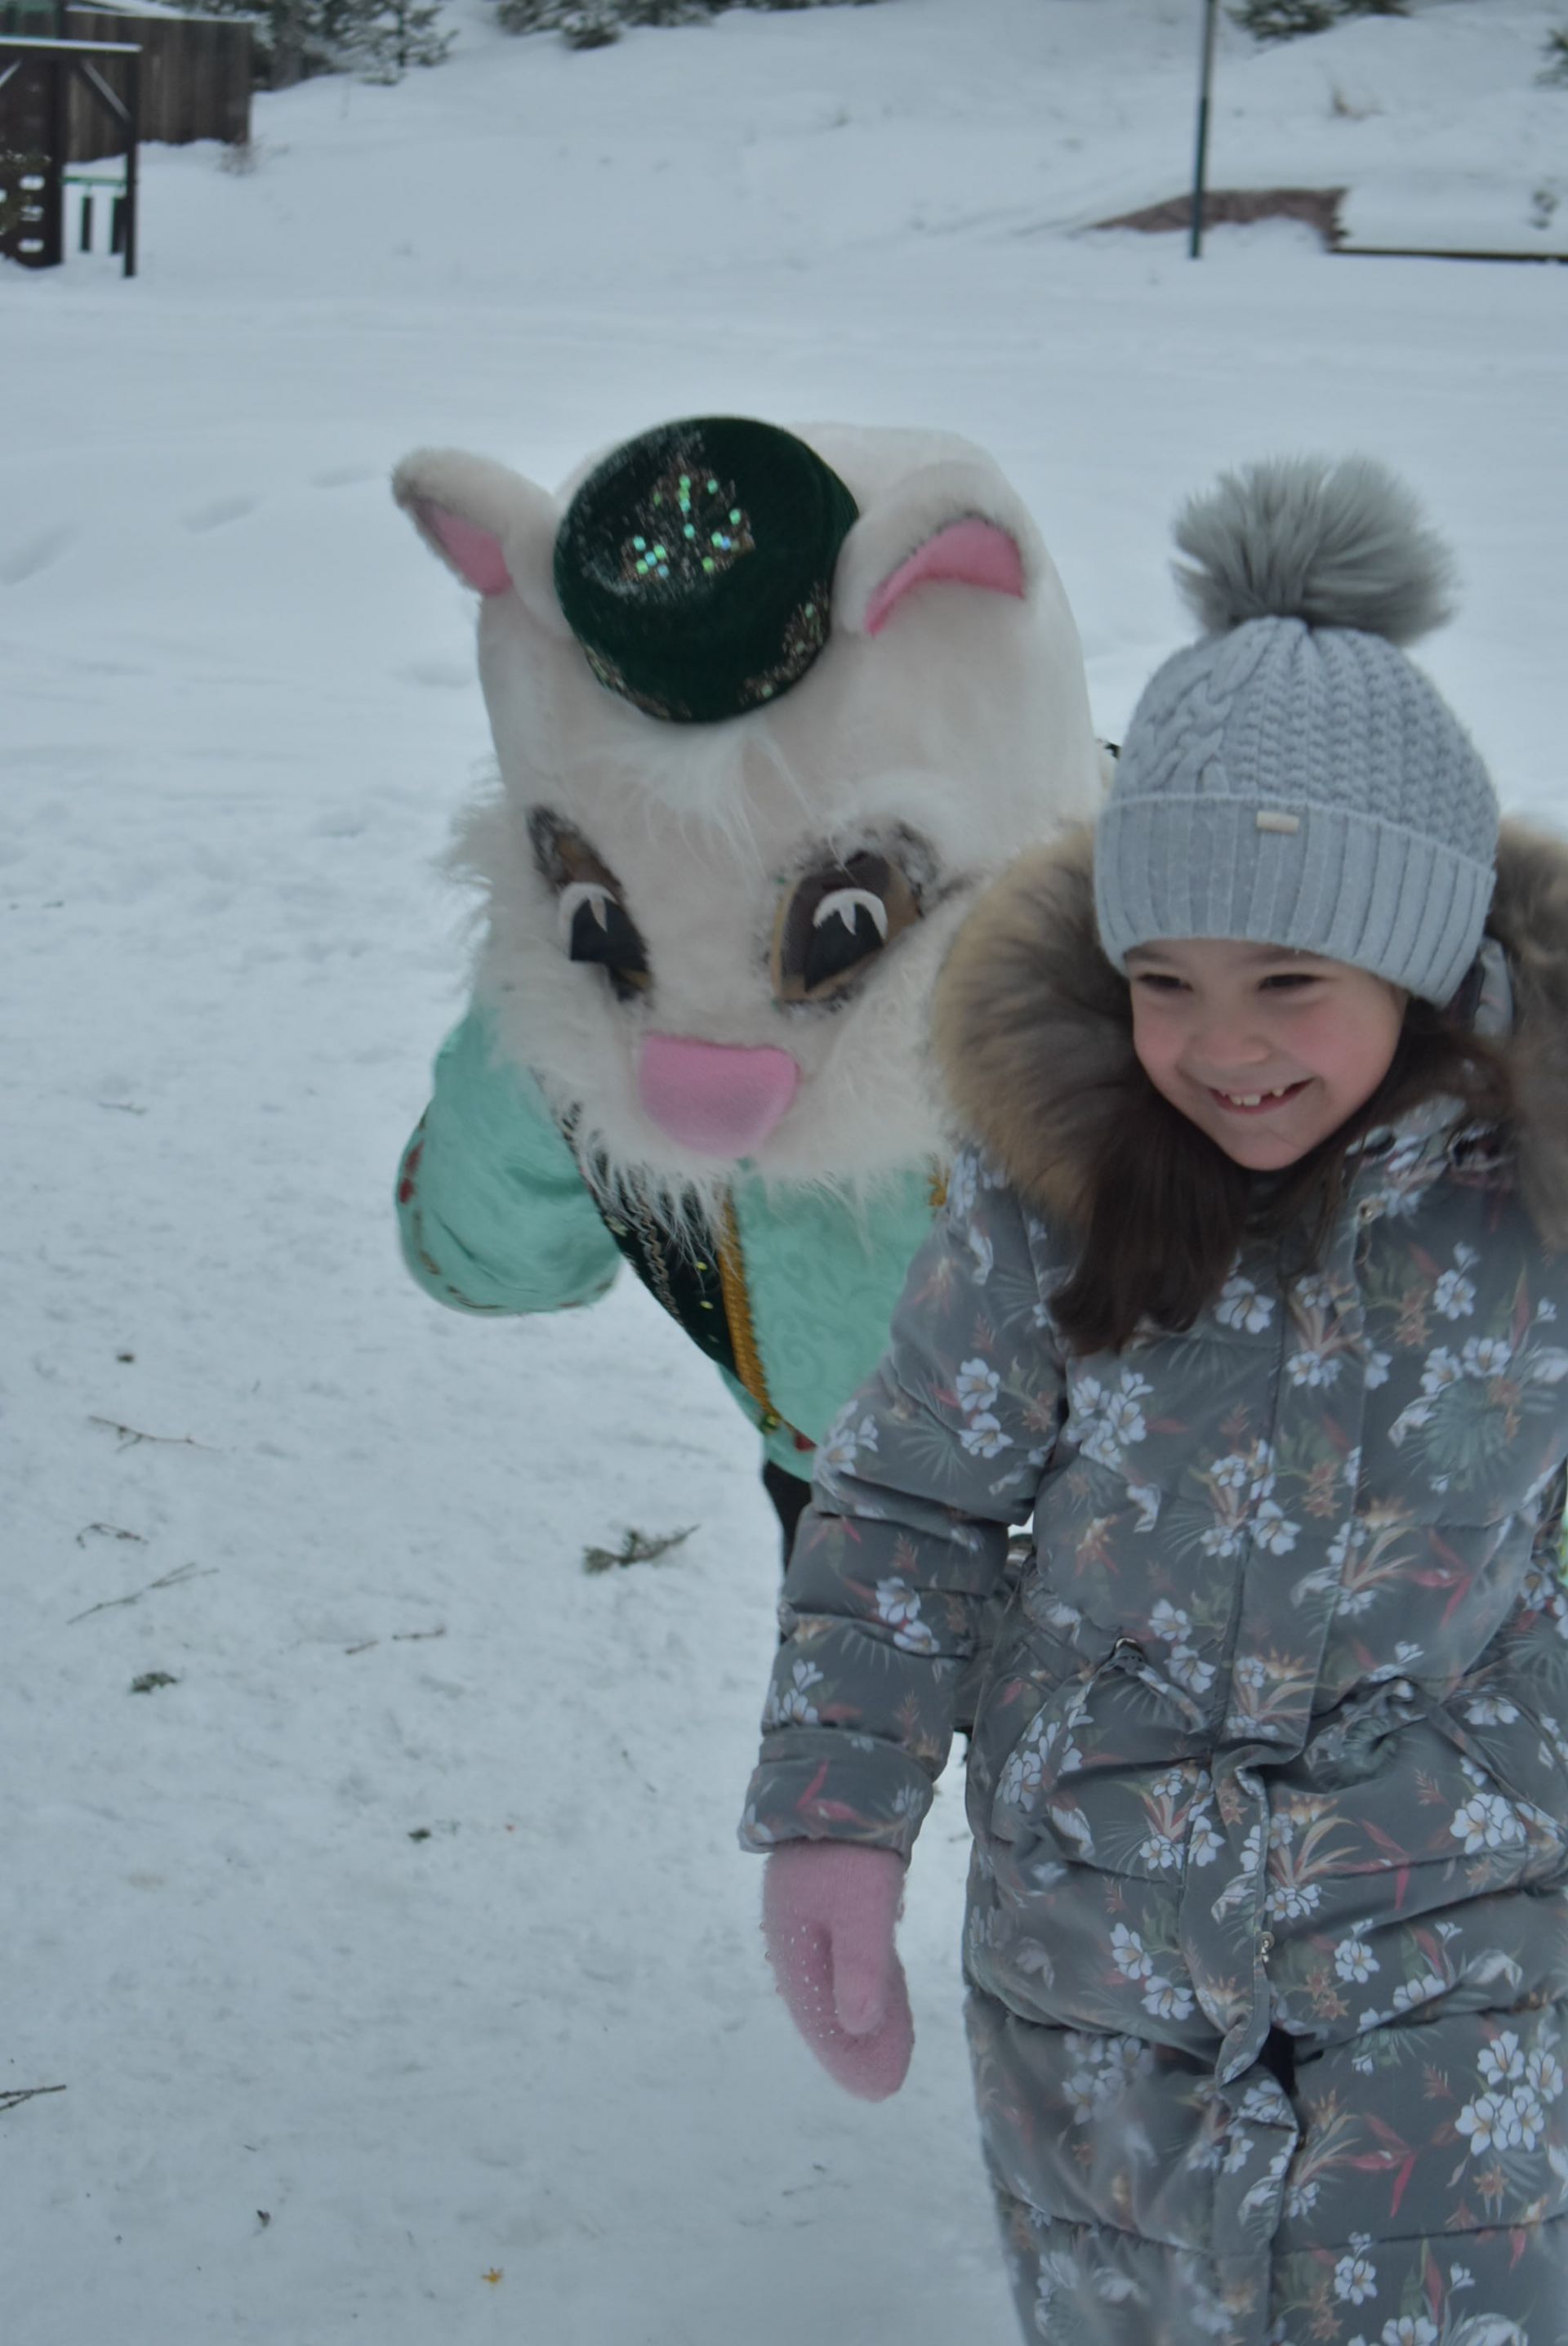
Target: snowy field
(396,1960)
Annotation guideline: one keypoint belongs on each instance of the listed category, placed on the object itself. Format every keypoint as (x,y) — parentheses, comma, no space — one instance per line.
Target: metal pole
(133,133)
(1200,164)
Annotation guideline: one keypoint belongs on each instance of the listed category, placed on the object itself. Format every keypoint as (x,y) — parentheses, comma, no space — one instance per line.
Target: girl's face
(1265,1050)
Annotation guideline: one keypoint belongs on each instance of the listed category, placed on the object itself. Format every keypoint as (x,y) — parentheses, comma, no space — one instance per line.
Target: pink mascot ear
(968,553)
(473,552)
(494,528)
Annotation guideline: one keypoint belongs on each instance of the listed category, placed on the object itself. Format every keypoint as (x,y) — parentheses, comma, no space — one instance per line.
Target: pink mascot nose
(721,1098)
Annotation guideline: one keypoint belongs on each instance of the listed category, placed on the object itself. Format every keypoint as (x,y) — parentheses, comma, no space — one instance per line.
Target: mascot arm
(493,1211)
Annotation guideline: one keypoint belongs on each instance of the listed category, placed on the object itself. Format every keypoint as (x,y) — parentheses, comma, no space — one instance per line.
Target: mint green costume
(496,1216)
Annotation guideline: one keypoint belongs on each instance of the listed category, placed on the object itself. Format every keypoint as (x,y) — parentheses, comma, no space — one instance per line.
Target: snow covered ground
(435,1947)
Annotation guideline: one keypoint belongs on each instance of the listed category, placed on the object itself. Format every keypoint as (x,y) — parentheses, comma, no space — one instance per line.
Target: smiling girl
(1249,1291)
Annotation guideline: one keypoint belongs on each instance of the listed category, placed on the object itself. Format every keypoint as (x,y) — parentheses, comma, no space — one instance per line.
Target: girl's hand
(828,1913)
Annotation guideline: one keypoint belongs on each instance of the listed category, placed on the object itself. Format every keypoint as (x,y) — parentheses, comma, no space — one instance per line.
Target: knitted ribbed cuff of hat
(1319,879)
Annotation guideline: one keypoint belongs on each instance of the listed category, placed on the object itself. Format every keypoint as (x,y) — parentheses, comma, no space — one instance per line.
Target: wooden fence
(195,74)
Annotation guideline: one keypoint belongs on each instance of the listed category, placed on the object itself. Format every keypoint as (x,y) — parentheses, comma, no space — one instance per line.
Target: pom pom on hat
(1335,545)
(695,566)
(1292,779)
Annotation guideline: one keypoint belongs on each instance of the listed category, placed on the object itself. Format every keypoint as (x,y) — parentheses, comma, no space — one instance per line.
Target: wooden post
(1200,163)
(59,104)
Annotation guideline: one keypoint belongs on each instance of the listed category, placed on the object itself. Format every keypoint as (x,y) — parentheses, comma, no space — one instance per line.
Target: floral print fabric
(1268,1929)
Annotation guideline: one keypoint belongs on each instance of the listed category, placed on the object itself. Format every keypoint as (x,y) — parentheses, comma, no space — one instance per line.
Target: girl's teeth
(1253,1099)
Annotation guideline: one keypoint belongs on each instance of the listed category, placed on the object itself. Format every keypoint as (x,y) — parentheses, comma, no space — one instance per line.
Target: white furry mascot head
(767,707)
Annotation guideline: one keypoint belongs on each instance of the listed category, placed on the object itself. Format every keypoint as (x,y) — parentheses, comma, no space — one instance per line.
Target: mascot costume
(768,709)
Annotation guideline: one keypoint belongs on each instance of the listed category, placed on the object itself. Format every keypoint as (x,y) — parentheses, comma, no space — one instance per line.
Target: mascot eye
(835,923)
(595,925)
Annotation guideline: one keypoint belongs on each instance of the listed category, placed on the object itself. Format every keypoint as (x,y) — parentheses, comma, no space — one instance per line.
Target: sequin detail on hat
(689,528)
(805,633)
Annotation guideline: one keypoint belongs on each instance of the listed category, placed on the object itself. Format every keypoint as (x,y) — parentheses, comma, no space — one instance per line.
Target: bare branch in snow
(181,1572)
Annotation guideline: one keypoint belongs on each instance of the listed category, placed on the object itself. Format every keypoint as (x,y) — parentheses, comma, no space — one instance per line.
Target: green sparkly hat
(695,566)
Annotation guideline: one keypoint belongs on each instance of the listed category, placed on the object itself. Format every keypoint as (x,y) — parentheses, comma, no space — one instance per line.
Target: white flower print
(1224,1539)
(1492,2123)
(1355,2279)
(1024,1772)
(898,1607)
(1487,1356)
(1486,1821)
(1301,2199)
(1409,2329)
(976,1386)
(1133,1958)
(1312,1294)
(1313,1369)
(1251,1670)
(962,1184)
(983,1437)
(1242,1306)
(1531,2117)
(1125,1418)
(1188,1671)
(1545,2077)
(1273,1529)
(984,1254)
(845,1443)
(790,1706)
(1145,1497)
(1204,1844)
(1453,1297)
(1290,1899)
(1232,1474)
(1378,1367)
(1111,1416)
(1490,1710)
(1169,1623)
(1159,1850)
(1353,1960)
(1165,2000)
(1500,2062)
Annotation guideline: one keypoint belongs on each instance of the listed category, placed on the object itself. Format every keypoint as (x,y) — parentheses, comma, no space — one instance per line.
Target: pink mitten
(828,1913)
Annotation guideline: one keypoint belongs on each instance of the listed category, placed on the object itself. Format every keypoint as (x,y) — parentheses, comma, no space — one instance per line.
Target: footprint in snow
(344,476)
(218,514)
(35,553)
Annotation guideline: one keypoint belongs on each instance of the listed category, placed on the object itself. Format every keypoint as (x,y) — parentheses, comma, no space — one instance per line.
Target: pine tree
(377,39)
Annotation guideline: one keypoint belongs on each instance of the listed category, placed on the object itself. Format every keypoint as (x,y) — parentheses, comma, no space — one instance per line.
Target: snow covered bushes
(1283,20)
(591,25)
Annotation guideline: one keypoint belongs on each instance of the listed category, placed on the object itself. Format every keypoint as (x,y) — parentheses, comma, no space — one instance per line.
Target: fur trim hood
(1034,1048)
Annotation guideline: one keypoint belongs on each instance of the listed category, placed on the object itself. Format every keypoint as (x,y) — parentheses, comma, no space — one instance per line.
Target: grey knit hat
(1291,778)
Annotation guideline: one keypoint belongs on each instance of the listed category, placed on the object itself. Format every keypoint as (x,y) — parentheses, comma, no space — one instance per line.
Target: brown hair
(1167,1209)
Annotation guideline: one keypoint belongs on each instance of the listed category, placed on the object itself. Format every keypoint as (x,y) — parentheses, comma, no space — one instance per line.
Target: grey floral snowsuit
(1268,1930)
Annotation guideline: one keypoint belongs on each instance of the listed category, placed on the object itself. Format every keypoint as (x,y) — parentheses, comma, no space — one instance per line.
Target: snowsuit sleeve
(493,1210)
(917,1484)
